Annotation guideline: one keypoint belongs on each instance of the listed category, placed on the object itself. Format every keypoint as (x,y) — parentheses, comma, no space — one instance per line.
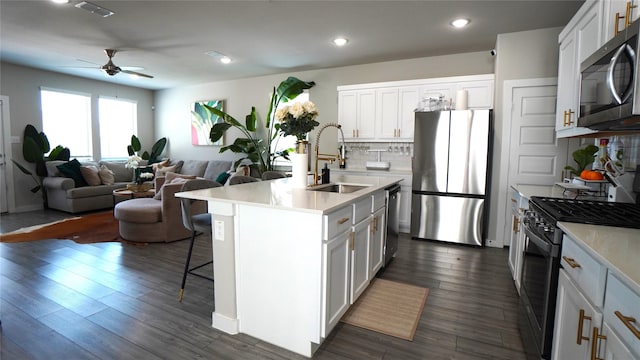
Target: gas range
(587,212)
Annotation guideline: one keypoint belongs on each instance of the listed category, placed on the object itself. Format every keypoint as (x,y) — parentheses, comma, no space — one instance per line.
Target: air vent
(94,9)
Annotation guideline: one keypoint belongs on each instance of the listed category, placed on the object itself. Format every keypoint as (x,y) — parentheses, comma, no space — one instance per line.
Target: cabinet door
(404,217)
(408,97)
(387,113)
(567,101)
(609,11)
(366,109)
(336,255)
(446,90)
(377,230)
(575,319)
(360,259)
(479,94)
(613,348)
(514,246)
(347,113)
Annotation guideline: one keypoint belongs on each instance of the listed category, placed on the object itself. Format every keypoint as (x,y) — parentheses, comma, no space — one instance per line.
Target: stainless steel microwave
(610,86)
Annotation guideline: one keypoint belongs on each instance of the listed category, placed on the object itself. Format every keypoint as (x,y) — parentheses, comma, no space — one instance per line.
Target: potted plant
(583,158)
(36,150)
(258,151)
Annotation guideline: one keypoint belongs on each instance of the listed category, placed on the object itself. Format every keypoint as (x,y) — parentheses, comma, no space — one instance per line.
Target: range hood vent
(94,9)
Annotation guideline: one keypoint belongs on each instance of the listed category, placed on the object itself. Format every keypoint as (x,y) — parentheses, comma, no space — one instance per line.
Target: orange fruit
(591,175)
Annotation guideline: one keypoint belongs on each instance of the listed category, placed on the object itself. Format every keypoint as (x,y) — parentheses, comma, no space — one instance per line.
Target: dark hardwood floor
(62,300)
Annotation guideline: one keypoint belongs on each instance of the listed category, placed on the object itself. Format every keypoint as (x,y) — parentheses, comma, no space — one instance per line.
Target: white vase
(299,167)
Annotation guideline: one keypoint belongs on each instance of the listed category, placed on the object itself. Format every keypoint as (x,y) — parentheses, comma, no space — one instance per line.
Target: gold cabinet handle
(514,200)
(516,223)
(567,117)
(375,224)
(353,240)
(398,132)
(616,29)
(353,133)
(627,14)
(628,322)
(594,343)
(572,262)
(343,220)
(581,320)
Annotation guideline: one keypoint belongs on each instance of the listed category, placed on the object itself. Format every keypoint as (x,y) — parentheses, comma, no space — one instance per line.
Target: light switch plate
(218,230)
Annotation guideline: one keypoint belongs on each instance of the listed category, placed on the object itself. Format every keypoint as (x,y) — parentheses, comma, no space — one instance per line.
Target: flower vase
(300,165)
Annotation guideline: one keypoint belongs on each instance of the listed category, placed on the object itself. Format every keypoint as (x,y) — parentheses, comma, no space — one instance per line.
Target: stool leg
(186,266)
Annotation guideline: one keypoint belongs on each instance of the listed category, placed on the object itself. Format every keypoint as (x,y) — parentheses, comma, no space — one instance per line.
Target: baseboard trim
(223,323)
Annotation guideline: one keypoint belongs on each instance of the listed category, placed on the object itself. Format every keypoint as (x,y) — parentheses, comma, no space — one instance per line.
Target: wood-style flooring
(62,300)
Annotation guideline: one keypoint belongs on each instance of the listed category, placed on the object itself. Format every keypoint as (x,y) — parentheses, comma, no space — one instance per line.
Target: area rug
(388,307)
(92,228)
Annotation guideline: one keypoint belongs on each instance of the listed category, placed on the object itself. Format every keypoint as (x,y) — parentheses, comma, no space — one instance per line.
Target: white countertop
(618,248)
(365,171)
(280,194)
(555,191)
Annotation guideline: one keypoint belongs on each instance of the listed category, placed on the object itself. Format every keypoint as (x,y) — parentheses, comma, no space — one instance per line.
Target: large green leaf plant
(36,150)
(153,156)
(258,151)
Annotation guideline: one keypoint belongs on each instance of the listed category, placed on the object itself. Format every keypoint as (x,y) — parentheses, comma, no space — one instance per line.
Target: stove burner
(589,212)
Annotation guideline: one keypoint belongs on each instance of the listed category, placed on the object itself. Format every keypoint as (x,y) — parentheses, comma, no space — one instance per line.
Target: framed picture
(202,120)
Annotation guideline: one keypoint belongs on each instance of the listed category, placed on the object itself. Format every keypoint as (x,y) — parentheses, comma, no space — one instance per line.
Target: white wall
(22,86)
(172,105)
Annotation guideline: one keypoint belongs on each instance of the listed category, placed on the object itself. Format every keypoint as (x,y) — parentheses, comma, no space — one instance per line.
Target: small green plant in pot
(583,158)
(153,156)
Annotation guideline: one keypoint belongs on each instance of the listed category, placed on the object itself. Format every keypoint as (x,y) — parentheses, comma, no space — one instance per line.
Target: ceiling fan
(112,69)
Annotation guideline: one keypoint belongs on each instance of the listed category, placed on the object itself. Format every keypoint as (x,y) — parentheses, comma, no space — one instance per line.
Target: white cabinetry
(385,111)
(404,217)
(595,311)
(356,114)
(614,16)
(579,39)
(352,253)
(395,112)
(516,244)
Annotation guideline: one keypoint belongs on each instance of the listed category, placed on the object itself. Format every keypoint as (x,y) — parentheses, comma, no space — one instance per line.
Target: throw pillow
(172,178)
(71,169)
(106,176)
(90,175)
(160,165)
(222,178)
(163,171)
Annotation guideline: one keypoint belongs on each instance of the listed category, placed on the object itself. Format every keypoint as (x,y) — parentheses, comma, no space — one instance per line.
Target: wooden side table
(123,194)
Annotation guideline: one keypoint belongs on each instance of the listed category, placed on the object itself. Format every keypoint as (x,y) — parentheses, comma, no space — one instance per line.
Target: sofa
(67,194)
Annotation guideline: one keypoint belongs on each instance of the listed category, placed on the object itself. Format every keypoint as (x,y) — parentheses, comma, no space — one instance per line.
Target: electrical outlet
(218,230)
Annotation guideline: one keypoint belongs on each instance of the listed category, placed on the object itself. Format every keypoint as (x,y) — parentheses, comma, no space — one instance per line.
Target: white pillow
(90,175)
(106,176)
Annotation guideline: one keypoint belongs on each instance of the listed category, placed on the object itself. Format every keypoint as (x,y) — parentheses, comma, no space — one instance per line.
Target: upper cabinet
(385,111)
(579,39)
(616,16)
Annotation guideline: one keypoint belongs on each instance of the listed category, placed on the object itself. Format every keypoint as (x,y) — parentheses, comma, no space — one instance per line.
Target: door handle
(627,321)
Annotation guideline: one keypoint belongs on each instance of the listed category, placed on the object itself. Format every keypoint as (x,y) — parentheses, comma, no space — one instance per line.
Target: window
(118,121)
(287,142)
(66,120)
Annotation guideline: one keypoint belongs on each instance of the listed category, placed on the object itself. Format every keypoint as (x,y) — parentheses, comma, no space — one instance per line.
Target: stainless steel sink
(338,188)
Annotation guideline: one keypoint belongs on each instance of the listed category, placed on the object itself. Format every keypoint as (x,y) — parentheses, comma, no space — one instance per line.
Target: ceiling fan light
(460,23)
(340,41)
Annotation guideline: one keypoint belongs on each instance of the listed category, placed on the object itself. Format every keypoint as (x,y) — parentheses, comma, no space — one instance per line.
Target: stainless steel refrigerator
(451,176)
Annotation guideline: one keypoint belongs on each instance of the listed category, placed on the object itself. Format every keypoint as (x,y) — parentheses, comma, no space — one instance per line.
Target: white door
(4,203)
(537,157)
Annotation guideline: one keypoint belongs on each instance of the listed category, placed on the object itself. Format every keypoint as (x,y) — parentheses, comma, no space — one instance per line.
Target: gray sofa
(63,195)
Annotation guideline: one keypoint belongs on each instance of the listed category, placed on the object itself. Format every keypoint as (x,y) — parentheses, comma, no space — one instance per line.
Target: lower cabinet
(336,273)
(377,231)
(614,348)
(575,320)
(360,259)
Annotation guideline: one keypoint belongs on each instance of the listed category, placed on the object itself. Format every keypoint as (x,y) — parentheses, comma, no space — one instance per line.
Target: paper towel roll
(461,99)
(299,169)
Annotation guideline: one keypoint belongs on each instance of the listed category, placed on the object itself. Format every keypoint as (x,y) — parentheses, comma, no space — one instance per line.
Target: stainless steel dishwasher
(393,228)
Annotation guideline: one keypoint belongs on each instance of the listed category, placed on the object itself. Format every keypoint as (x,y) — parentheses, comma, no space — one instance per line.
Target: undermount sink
(339,188)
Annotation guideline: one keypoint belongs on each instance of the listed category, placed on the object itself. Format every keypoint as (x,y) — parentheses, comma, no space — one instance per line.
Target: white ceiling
(169,39)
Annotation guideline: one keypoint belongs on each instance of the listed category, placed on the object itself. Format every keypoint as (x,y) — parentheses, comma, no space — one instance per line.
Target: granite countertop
(618,248)
(280,194)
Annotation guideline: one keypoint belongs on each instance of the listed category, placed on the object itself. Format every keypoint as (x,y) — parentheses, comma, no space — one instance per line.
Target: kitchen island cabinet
(286,260)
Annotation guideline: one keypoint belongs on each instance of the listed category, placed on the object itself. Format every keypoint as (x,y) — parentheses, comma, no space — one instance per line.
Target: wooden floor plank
(63,300)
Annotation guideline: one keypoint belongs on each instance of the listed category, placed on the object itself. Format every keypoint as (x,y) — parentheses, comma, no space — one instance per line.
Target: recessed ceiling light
(460,23)
(60,1)
(340,41)
(225,59)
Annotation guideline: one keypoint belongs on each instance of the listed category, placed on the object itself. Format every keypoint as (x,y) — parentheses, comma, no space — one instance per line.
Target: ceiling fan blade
(136,73)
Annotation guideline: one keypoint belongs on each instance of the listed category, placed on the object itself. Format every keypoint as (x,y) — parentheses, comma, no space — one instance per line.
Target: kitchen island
(289,262)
